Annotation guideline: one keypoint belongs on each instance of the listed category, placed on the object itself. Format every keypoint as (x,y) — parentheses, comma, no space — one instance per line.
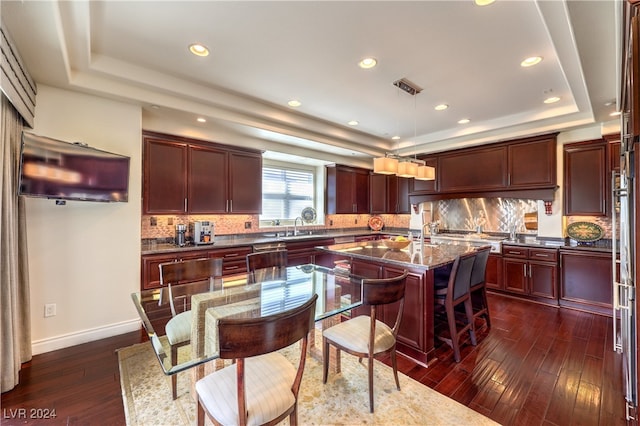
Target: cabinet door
(514,275)
(361,191)
(585,179)
(532,164)
(343,190)
(378,193)
(459,172)
(398,195)
(207,180)
(542,279)
(586,279)
(494,272)
(245,183)
(165,177)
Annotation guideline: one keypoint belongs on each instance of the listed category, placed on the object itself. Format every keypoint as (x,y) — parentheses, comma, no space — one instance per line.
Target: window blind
(285,192)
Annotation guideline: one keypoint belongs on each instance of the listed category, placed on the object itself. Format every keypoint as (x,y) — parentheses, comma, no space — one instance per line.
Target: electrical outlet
(170,221)
(49,310)
(247,225)
(153,221)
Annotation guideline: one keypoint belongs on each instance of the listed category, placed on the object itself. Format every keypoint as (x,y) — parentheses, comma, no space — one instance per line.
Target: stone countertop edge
(229,241)
(604,246)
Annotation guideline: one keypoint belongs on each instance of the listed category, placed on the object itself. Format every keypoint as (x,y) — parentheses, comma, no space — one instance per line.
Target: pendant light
(385,165)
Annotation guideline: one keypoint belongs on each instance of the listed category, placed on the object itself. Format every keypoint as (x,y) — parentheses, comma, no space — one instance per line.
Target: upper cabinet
(347,190)
(188,176)
(588,168)
(518,168)
(389,194)
(585,174)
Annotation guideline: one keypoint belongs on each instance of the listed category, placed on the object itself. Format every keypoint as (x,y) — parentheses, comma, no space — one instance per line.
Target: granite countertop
(430,257)
(565,243)
(228,241)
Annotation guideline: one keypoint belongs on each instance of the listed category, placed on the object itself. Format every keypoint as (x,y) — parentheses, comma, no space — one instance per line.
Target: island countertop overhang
(429,256)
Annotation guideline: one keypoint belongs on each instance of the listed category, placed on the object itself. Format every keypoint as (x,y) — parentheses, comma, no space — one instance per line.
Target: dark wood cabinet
(347,190)
(493,273)
(532,164)
(182,175)
(165,176)
(388,194)
(586,281)
(233,262)
(585,178)
(479,169)
(522,168)
(530,272)
(304,252)
(150,273)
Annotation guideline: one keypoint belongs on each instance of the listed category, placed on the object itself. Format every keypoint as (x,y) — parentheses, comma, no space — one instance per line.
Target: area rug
(343,400)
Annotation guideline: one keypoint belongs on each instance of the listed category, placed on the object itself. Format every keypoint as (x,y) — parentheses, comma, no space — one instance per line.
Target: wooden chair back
(247,337)
(266,264)
(173,274)
(383,291)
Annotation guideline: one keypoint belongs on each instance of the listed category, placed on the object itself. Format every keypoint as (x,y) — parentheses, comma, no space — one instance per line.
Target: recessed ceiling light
(367,63)
(441,107)
(395,138)
(155,107)
(551,100)
(294,103)
(352,123)
(531,61)
(201,120)
(484,2)
(199,49)
(464,121)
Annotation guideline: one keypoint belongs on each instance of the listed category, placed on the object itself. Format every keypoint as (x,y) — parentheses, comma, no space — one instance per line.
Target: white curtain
(15,323)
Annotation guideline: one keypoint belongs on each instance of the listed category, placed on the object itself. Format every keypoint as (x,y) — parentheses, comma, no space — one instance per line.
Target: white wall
(85,256)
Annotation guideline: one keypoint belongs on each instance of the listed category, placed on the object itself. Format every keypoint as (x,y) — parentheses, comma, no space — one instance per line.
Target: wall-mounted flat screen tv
(51,168)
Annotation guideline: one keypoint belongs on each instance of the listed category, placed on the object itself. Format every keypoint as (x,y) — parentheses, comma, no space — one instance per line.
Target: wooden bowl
(396,245)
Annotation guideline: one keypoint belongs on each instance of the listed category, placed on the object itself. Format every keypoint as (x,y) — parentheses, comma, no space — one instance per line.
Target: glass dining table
(238,296)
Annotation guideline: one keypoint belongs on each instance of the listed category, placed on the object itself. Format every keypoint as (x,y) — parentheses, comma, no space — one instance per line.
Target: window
(285,192)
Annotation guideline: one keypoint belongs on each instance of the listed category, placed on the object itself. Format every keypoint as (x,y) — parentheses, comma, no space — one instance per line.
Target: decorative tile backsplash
(163,226)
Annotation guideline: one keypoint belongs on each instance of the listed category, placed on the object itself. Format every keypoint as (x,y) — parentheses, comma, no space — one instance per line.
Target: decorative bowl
(396,245)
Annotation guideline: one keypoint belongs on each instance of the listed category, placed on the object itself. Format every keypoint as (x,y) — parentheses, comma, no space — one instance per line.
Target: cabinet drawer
(517,252)
(232,253)
(548,255)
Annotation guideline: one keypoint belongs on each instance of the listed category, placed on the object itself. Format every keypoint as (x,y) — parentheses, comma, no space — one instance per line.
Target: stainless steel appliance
(181,235)
(624,290)
(202,232)
(472,239)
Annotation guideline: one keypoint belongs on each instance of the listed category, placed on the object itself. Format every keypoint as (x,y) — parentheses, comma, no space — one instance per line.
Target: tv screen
(54,169)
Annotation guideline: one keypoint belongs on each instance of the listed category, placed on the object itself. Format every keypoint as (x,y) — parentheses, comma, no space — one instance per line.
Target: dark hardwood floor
(537,365)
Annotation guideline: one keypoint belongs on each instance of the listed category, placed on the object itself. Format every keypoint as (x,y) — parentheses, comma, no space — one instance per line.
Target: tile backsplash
(163,226)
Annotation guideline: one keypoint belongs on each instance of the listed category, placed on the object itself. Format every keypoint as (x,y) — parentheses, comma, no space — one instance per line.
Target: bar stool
(457,292)
(478,285)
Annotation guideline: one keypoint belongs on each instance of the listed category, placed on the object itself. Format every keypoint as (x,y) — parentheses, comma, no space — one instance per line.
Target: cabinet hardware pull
(525,269)
(230,206)
(231,255)
(514,252)
(529,271)
(185,205)
(542,255)
(231,267)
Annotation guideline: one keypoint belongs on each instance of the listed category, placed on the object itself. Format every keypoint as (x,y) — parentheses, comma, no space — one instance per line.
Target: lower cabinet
(493,274)
(586,281)
(234,262)
(530,272)
(304,252)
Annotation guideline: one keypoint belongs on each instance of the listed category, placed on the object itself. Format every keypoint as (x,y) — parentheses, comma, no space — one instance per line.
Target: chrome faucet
(295,225)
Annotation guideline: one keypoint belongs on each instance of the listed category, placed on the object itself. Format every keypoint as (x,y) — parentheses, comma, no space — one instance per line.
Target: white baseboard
(84,336)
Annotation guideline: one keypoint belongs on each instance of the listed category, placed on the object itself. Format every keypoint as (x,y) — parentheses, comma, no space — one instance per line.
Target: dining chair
(457,292)
(263,265)
(262,386)
(172,275)
(365,336)
(478,285)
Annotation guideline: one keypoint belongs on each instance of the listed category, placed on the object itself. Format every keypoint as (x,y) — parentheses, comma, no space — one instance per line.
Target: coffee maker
(181,231)
(202,232)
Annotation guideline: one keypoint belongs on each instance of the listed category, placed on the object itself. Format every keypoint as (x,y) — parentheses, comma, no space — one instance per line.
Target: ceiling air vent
(407,86)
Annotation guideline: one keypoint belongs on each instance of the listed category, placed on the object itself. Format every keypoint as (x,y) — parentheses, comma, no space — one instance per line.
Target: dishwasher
(269,246)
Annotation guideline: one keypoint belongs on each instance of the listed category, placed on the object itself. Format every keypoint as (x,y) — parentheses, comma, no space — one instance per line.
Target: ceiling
(264,53)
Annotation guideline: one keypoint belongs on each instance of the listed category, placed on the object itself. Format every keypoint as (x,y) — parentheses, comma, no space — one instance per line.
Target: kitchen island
(372,259)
